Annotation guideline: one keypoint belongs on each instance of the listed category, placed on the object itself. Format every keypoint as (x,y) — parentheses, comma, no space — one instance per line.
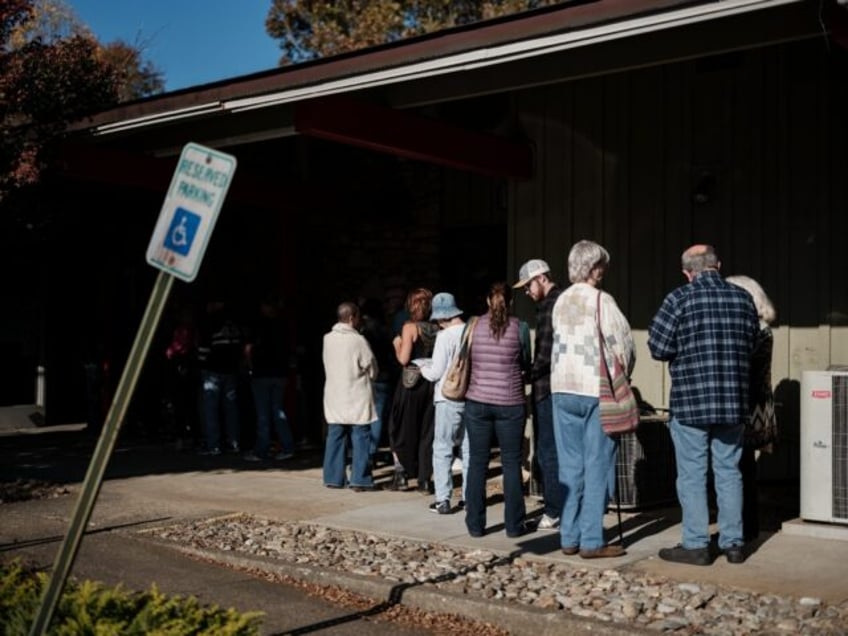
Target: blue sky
(190,41)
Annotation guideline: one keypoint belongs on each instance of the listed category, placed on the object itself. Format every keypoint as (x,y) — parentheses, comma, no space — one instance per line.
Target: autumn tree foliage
(309,29)
(52,72)
(134,76)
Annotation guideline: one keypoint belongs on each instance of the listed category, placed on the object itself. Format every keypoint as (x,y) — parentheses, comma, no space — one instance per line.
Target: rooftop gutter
(457,63)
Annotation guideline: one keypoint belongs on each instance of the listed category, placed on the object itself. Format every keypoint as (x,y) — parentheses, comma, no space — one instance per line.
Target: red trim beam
(411,136)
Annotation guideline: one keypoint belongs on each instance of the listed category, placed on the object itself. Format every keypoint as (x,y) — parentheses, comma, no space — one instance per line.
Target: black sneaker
(399,481)
(693,556)
(735,554)
(523,529)
(440,507)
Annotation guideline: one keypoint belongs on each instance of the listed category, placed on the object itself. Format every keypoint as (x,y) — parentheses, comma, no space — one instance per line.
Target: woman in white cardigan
(350,369)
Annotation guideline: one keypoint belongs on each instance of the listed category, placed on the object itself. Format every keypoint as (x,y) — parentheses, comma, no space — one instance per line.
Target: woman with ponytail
(495,403)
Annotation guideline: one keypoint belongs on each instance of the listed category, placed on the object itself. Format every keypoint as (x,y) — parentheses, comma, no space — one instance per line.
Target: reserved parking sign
(190,210)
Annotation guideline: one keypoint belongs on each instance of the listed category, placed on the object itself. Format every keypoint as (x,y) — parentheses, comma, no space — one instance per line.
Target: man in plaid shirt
(705,330)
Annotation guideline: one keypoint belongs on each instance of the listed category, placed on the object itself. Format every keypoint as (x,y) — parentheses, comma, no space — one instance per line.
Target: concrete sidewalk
(296,492)
(153,484)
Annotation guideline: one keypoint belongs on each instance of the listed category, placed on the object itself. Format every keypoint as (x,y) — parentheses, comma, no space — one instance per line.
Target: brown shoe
(571,550)
(603,552)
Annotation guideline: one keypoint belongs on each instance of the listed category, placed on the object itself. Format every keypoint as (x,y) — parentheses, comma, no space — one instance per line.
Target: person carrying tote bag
(618,407)
(448,430)
(586,455)
(455,383)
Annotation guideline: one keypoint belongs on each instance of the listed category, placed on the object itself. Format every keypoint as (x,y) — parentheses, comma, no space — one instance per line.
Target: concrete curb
(514,617)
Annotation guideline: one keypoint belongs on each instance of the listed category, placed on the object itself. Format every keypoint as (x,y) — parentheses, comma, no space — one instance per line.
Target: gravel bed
(608,595)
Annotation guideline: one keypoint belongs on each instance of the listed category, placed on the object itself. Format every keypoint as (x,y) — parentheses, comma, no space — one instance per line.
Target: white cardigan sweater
(350,367)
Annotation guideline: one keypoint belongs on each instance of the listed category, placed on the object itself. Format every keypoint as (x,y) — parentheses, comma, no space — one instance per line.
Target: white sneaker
(252,457)
(283,455)
(548,523)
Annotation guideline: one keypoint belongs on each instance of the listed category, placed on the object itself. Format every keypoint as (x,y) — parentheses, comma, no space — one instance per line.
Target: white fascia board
(515,51)
(156,118)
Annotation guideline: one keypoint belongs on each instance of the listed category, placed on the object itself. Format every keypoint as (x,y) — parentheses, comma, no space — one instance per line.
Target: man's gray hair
(583,258)
(346,311)
(699,258)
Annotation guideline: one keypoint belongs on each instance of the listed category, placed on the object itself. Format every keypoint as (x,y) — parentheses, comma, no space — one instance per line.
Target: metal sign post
(179,241)
(94,476)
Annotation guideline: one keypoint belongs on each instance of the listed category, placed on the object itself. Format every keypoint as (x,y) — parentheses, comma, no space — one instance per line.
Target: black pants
(750,496)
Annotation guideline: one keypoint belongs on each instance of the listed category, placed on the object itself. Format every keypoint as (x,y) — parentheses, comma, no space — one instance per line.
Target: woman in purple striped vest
(496,404)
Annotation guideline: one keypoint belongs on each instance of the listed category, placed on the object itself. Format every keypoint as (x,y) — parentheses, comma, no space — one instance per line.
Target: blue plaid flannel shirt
(706,331)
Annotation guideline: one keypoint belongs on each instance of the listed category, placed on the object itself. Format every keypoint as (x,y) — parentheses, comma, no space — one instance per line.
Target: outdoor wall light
(704,190)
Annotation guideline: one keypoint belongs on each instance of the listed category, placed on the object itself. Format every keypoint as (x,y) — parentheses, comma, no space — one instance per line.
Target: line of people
(214,353)
(714,337)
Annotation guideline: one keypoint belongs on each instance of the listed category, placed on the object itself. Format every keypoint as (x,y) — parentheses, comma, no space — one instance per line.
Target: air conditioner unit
(824,446)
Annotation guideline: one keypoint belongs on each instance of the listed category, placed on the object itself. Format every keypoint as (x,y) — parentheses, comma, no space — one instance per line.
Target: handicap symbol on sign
(182,231)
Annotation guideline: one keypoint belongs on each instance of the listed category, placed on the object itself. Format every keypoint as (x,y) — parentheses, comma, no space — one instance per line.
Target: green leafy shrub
(92,609)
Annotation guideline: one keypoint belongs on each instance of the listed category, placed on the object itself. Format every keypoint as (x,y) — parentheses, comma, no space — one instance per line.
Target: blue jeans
(693,447)
(382,392)
(507,423)
(586,466)
(268,400)
(546,457)
(219,398)
(335,451)
(448,433)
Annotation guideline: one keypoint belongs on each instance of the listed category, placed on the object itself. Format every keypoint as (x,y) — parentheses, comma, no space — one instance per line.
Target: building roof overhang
(566,41)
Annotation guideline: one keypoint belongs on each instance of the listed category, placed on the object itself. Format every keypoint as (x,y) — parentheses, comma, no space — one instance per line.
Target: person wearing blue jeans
(350,368)
(725,451)
(268,357)
(220,399)
(268,400)
(581,316)
(586,459)
(449,433)
(547,456)
(448,430)
(382,392)
(335,456)
(379,339)
(506,423)
(495,404)
(534,278)
(220,353)
(706,330)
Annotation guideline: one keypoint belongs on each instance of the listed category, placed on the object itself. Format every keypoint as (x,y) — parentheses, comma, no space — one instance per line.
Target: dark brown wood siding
(747,151)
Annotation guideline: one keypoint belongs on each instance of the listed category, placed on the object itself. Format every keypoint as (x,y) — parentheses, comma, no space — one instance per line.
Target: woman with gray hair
(761,425)
(586,455)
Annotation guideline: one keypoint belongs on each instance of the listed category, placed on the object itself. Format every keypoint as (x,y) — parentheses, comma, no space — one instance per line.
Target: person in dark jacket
(220,355)
(534,278)
(268,357)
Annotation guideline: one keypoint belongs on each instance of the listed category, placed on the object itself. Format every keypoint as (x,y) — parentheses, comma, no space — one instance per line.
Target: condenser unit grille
(840,447)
